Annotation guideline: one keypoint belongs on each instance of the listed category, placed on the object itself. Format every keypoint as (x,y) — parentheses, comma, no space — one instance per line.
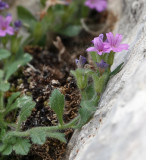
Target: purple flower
(80,63)
(99,46)
(102,65)
(114,43)
(99,5)
(5,27)
(17,25)
(3,5)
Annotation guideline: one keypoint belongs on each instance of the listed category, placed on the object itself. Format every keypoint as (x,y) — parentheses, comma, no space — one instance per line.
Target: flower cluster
(99,5)
(5,27)
(113,43)
(3,5)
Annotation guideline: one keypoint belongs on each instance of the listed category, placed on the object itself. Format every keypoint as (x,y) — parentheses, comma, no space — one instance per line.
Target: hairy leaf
(4,54)
(57,104)
(1,74)
(4,86)
(81,76)
(85,115)
(21,146)
(38,136)
(12,98)
(95,57)
(6,149)
(88,93)
(99,82)
(57,135)
(26,105)
(11,105)
(12,67)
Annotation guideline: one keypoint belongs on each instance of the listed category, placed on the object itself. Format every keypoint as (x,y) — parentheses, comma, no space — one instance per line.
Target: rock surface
(117,130)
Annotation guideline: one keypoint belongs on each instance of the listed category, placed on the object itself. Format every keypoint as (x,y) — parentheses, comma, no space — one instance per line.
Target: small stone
(55,82)
(69,79)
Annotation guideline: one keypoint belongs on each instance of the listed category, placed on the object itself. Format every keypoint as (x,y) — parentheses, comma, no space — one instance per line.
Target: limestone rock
(117,130)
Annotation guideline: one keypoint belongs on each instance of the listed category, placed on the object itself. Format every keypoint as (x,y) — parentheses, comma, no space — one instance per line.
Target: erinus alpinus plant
(91,82)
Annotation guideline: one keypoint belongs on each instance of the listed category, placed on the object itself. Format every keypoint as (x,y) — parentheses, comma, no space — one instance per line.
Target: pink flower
(99,46)
(114,43)
(99,5)
(5,27)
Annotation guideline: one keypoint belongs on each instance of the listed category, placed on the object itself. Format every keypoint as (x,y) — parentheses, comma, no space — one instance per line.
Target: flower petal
(101,36)
(124,46)
(8,20)
(10,30)
(2,33)
(110,38)
(91,49)
(118,39)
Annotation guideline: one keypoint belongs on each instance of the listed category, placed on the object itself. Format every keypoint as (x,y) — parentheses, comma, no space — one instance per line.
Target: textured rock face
(117,130)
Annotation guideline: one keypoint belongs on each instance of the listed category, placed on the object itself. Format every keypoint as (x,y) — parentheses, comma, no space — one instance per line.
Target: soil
(50,69)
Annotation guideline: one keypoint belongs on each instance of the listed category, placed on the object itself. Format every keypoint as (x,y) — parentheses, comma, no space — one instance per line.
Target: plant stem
(46,129)
(1,101)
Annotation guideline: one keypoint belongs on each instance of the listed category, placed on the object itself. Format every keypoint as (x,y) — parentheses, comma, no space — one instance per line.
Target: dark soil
(51,72)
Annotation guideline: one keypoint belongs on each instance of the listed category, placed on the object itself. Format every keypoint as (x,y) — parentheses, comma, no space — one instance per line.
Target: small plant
(60,19)
(13,138)
(102,54)
(56,17)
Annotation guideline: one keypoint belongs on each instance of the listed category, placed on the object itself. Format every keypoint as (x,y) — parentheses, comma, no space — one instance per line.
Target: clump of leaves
(13,138)
(57,17)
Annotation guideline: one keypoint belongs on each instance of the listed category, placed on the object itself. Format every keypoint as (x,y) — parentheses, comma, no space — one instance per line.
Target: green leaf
(71,31)
(57,104)
(37,31)
(11,106)
(26,105)
(21,146)
(88,107)
(6,149)
(2,133)
(95,57)
(4,86)
(89,92)
(99,82)
(25,15)
(12,67)
(4,54)
(57,135)
(1,74)
(85,115)
(11,99)
(110,58)
(38,136)
(81,76)
(117,70)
